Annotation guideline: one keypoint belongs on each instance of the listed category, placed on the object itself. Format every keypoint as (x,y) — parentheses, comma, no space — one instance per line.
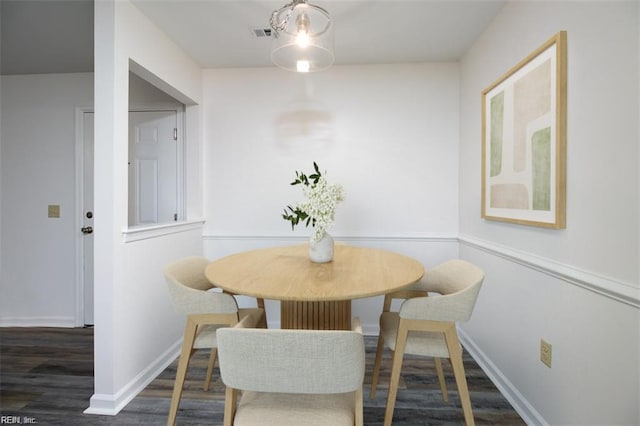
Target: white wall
(387,133)
(577,288)
(136,331)
(38,283)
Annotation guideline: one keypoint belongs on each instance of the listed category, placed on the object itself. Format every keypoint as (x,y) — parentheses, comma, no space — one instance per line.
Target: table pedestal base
(334,315)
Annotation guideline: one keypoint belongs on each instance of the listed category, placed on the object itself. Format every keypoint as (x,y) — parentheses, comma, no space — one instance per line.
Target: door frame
(79,187)
(78,214)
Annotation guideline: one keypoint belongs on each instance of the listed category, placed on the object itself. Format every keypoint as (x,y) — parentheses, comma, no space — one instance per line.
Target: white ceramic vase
(321,251)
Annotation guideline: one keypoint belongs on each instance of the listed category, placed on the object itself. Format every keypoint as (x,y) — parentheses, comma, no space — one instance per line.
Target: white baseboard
(112,404)
(63,322)
(528,413)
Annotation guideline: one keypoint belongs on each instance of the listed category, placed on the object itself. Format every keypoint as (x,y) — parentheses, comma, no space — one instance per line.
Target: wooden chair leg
(210,366)
(183,363)
(376,367)
(443,384)
(359,417)
(230,402)
(263,322)
(458,371)
(396,366)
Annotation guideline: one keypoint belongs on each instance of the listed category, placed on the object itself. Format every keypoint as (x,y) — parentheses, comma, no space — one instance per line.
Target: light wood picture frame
(524,116)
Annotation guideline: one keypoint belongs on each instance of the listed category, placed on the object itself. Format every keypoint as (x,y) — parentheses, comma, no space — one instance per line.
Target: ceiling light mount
(302,37)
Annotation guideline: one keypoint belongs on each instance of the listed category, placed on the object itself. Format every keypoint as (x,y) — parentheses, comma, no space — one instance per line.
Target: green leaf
(315,176)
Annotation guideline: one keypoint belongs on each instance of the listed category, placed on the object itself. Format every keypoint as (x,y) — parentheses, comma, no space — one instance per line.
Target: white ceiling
(57,36)
(46,36)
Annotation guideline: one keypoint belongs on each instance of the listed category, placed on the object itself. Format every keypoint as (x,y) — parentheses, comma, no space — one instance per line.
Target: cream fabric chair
(206,312)
(427,326)
(418,289)
(292,377)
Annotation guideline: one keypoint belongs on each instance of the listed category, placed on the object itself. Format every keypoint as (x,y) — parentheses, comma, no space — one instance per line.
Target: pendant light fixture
(302,37)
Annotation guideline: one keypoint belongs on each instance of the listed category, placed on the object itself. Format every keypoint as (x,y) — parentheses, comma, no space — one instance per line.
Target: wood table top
(286,273)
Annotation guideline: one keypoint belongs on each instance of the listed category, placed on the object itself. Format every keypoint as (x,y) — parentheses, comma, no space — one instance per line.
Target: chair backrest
(189,271)
(189,287)
(458,282)
(291,361)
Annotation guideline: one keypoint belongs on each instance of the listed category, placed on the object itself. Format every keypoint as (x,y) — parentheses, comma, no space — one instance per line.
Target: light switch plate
(54,210)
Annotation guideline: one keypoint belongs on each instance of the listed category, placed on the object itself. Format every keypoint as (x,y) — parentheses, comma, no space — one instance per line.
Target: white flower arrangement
(322,199)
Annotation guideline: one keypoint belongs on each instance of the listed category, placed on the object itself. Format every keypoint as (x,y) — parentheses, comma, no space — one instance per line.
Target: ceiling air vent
(260,32)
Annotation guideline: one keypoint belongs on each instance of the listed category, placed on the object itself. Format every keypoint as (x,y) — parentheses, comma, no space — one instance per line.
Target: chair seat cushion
(206,337)
(256,316)
(418,343)
(284,409)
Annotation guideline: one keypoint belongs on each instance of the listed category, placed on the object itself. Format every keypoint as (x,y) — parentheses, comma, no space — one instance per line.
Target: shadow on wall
(304,120)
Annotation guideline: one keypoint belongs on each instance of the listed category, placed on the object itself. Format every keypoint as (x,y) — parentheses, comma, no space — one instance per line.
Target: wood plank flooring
(46,378)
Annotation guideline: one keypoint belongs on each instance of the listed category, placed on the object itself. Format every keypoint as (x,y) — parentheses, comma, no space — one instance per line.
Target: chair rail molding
(138,233)
(620,291)
(614,289)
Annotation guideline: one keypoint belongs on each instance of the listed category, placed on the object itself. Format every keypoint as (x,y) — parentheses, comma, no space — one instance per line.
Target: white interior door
(153,160)
(87,216)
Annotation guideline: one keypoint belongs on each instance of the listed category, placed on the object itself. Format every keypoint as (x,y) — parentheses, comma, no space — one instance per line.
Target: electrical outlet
(545,353)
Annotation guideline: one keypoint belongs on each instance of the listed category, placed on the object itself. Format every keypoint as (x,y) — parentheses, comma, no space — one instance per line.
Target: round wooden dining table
(314,295)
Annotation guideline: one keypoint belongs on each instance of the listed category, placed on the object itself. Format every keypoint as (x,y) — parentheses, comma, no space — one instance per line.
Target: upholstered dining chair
(292,377)
(206,312)
(426,326)
(418,289)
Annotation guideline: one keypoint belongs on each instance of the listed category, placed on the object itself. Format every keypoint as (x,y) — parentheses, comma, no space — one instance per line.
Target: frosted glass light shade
(302,38)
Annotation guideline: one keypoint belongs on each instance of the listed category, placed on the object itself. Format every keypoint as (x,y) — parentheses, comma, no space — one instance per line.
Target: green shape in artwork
(541,169)
(497,120)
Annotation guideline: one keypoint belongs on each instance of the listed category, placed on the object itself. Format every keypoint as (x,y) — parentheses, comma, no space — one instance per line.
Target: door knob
(87,230)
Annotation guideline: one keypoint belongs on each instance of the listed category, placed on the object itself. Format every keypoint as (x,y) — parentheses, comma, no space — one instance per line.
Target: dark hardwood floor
(46,378)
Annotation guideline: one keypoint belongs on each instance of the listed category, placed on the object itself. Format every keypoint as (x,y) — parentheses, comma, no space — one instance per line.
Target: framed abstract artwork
(524,117)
